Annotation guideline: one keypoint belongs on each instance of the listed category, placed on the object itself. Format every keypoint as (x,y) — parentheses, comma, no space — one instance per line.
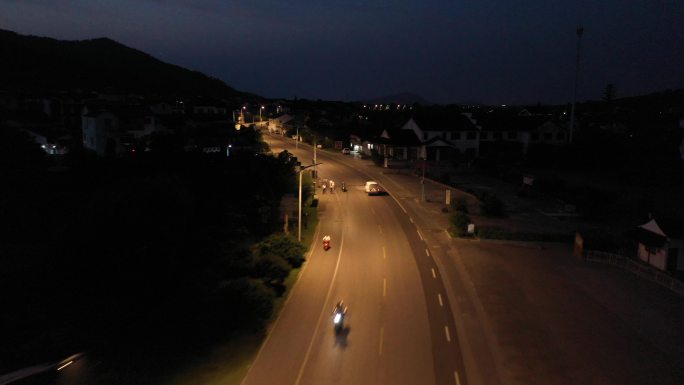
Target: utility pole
(422,182)
(579,31)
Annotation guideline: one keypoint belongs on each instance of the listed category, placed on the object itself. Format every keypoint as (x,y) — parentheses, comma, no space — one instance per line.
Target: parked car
(373,188)
(346,151)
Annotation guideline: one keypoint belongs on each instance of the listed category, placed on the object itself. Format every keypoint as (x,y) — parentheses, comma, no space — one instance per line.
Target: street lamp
(297,140)
(299,222)
(260,109)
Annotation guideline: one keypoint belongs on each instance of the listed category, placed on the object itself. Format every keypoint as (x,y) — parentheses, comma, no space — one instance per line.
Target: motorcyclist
(339,312)
(339,308)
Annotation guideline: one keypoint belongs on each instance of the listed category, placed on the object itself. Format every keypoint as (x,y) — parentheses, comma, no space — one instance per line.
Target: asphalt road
(399,328)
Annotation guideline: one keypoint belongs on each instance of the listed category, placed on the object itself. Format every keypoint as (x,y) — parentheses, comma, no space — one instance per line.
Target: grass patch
(226,364)
(498,233)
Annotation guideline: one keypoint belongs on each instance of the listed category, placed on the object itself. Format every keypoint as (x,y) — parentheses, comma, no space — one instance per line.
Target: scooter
(344,187)
(326,243)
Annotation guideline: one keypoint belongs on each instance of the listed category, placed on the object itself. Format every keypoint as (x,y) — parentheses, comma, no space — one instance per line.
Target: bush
(244,303)
(460,204)
(460,221)
(492,206)
(271,268)
(284,246)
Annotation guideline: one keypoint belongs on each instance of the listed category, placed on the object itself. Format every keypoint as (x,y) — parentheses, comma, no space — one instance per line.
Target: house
(209,109)
(277,124)
(663,250)
(115,129)
(508,128)
(399,145)
(445,135)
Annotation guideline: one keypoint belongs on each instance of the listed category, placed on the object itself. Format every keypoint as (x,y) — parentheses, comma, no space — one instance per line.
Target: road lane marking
(324,311)
(448,336)
(439,297)
(382,333)
(373,210)
(411,219)
(456,378)
(420,235)
(427,252)
(384,254)
(384,287)
(380,227)
(434,275)
(65,365)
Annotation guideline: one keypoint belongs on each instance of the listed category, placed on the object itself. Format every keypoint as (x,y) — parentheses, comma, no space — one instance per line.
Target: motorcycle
(326,243)
(344,187)
(339,313)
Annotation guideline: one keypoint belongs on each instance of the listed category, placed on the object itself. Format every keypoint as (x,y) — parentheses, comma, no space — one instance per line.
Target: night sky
(446,51)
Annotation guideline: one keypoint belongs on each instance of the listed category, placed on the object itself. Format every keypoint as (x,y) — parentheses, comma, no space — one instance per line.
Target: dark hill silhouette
(41,63)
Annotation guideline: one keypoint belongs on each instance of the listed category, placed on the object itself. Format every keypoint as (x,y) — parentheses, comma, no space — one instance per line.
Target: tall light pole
(260,118)
(422,182)
(297,140)
(299,221)
(579,31)
(314,146)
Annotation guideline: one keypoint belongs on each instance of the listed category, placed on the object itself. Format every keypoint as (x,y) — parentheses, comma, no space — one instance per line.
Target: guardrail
(636,267)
